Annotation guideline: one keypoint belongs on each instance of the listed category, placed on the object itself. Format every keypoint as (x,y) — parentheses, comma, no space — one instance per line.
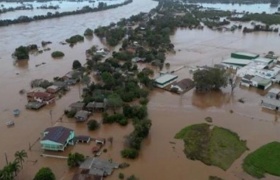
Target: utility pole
(51,116)
(6,158)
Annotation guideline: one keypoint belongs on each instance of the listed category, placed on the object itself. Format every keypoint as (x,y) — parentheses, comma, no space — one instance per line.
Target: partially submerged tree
(210,79)
(75,159)
(44,173)
(76,64)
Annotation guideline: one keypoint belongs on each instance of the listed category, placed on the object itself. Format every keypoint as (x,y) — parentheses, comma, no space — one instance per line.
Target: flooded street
(161,156)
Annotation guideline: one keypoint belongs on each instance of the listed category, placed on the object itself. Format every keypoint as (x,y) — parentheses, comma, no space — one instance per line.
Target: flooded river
(159,159)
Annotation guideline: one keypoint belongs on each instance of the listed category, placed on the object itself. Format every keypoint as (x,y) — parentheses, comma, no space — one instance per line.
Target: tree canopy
(210,79)
(44,173)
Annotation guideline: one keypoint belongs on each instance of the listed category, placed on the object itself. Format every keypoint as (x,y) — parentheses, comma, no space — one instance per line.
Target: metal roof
(234,61)
(274,91)
(57,134)
(165,78)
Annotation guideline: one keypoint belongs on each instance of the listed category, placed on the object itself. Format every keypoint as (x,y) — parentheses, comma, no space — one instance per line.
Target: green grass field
(266,159)
(212,145)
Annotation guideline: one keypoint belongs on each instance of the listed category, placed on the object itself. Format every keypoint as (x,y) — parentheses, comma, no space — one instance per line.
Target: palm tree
(14,167)
(7,172)
(20,156)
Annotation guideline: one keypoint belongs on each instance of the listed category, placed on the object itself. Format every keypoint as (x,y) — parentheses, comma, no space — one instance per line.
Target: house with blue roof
(57,138)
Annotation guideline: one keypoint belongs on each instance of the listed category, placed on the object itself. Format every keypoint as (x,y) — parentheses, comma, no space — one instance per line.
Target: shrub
(76,64)
(88,32)
(21,53)
(74,39)
(92,125)
(129,153)
(57,54)
(121,176)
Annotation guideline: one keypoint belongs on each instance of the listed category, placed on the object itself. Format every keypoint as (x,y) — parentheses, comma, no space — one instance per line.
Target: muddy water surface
(159,159)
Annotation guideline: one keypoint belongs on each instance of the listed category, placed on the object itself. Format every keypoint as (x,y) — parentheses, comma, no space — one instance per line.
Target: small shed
(53,89)
(82,139)
(77,106)
(272,104)
(82,116)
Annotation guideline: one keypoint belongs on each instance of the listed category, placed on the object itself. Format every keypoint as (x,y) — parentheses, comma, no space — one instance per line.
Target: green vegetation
(57,54)
(75,159)
(121,176)
(129,153)
(11,170)
(74,39)
(214,178)
(263,160)
(92,125)
(268,19)
(44,173)
(76,64)
(88,32)
(118,118)
(210,78)
(211,145)
(21,53)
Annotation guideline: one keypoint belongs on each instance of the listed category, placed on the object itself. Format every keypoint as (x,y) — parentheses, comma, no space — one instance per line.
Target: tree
(21,53)
(92,125)
(75,159)
(20,156)
(14,167)
(210,78)
(44,173)
(88,32)
(114,101)
(57,54)
(76,64)
(129,153)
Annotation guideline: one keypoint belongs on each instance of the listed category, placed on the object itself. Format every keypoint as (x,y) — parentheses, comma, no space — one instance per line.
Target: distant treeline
(230,1)
(86,9)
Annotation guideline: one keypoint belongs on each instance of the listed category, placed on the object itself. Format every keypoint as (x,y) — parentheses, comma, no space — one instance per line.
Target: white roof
(274,91)
(264,60)
(241,62)
(245,53)
(165,78)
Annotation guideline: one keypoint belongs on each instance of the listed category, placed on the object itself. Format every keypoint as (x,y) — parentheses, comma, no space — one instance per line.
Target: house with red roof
(41,97)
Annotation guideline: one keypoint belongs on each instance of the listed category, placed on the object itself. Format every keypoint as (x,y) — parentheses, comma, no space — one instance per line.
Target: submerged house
(164,80)
(77,106)
(271,99)
(82,116)
(41,97)
(96,167)
(246,80)
(93,106)
(57,138)
(182,86)
(261,83)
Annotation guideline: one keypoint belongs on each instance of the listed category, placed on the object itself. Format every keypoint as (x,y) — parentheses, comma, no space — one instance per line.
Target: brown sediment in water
(159,159)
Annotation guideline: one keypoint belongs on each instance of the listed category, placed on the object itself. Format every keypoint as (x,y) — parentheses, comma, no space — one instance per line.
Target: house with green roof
(261,83)
(57,138)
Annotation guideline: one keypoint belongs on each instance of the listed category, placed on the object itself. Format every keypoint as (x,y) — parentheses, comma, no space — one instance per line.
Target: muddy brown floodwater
(159,159)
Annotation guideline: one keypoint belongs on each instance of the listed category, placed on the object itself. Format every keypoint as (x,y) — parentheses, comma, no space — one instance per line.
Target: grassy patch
(211,145)
(225,146)
(266,159)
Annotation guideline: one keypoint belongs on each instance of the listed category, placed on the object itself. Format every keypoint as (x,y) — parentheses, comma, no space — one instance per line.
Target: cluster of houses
(255,71)
(259,72)
(44,92)
(57,138)
(83,111)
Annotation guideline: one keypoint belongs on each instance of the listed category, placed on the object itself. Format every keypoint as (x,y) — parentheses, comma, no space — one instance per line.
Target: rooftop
(274,91)
(57,134)
(274,102)
(165,78)
(246,54)
(238,62)
(261,80)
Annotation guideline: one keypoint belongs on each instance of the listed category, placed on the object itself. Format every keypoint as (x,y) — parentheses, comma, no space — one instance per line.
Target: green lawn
(211,145)
(266,159)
